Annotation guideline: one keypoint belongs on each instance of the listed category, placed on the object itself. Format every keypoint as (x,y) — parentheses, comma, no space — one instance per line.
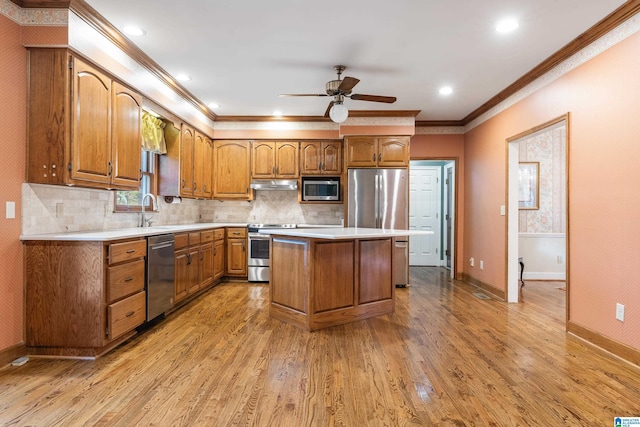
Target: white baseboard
(533,275)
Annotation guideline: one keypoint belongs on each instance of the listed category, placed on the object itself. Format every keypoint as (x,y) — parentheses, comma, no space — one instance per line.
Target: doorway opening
(538,200)
(432,206)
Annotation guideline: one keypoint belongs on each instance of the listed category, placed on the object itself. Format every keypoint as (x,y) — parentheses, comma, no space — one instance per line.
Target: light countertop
(125,233)
(343,233)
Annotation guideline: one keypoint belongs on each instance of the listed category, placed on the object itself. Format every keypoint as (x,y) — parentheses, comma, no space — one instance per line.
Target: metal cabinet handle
(379,156)
(374,157)
(130,251)
(131,313)
(183,183)
(243,247)
(128,279)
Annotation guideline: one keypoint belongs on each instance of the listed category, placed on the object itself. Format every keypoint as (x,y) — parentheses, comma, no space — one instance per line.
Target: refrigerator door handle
(376,206)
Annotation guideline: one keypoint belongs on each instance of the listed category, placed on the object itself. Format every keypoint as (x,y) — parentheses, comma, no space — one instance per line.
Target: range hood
(274,184)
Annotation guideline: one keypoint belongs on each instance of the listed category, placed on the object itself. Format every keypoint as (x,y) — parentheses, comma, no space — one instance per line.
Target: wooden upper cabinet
(263,160)
(321,158)
(287,159)
(202,156)
(362,152)
(275,160)
(207,169)
(84,127)
(126,131)
(187,145)
(91,136)
(366,151)
(185,170)
(393,152)
(231,170)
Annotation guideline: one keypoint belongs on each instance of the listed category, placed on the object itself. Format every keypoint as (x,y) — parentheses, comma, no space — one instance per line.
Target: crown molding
(439,123)
(43,4)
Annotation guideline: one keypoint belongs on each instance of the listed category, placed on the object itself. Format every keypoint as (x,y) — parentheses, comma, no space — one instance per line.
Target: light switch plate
(503,210)
(10,210)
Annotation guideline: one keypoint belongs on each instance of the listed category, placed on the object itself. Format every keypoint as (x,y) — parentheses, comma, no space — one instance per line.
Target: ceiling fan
(340,89)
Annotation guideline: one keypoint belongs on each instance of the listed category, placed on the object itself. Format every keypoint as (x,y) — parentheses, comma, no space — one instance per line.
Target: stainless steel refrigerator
(379,198)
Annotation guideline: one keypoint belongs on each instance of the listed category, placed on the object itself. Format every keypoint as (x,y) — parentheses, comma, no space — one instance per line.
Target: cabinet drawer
(119,252)
(125,279)
(125,315)
(181,240)
(235,233)
(206,236)
(194,238)
(218,234)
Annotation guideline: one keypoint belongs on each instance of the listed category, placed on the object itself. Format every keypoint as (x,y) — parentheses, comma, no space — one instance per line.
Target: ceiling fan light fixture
(338,113)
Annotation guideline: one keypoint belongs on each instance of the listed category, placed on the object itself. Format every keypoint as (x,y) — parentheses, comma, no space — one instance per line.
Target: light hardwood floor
(444,357)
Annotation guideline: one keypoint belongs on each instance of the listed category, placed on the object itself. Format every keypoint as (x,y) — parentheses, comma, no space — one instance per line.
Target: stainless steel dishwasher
(160,274)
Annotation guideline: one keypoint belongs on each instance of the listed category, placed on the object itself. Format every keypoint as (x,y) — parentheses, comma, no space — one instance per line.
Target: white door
(424,214)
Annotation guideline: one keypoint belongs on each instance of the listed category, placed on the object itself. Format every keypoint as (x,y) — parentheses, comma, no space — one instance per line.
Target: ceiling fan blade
(347,84)
(326,113)
(303,94)
(373,98)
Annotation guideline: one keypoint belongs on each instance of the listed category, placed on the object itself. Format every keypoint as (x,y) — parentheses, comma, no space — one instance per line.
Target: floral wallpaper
(548,147)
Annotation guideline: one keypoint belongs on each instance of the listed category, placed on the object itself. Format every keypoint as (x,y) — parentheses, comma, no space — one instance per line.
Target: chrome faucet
(146,222)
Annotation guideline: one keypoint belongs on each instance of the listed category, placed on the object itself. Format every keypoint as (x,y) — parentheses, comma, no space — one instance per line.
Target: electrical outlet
(620,312)
(481,265)
(471,261)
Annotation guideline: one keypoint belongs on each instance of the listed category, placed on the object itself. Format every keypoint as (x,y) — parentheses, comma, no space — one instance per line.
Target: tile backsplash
(54,209)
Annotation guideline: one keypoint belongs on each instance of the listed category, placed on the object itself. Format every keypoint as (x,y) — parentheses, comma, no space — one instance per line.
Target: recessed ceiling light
(507,25)
(213,105)
(277,113)
(134,31)
(183,77)
(446,90)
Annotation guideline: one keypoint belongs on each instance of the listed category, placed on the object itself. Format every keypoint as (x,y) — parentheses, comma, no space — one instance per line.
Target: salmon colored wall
(13,84)
(604,151)
(425,147)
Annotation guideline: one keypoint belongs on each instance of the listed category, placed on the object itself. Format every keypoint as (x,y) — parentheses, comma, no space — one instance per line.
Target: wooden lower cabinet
(195,263)
(218,254)
(91,304)
(237,252)
(318,283)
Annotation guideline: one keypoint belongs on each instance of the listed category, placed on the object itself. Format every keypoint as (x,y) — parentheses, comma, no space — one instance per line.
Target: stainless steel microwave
(320,189)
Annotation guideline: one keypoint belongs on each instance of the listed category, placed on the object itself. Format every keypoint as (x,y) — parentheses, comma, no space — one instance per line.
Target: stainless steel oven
(258,253)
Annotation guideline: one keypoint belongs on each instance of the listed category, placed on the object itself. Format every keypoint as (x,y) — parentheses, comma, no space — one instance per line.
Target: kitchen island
(327,277)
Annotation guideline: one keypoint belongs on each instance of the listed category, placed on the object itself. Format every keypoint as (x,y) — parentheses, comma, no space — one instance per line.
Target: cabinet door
(194,269)
(126,137)
(198,170)
(232,170)
(236,257)
(362,152)
(181,274)
(91,136)
(331,158)
(187,142)
(218,259)
(207,158)
(287,160)
(393,152)
(206,265)
(263,160)
(310,158)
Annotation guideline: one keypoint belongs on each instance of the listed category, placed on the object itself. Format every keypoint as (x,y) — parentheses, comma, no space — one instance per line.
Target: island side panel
(289,280)
(376,275)
(64,298)
(334,282)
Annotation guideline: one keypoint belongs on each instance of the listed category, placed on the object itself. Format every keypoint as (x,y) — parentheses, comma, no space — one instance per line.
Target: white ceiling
(243,53)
